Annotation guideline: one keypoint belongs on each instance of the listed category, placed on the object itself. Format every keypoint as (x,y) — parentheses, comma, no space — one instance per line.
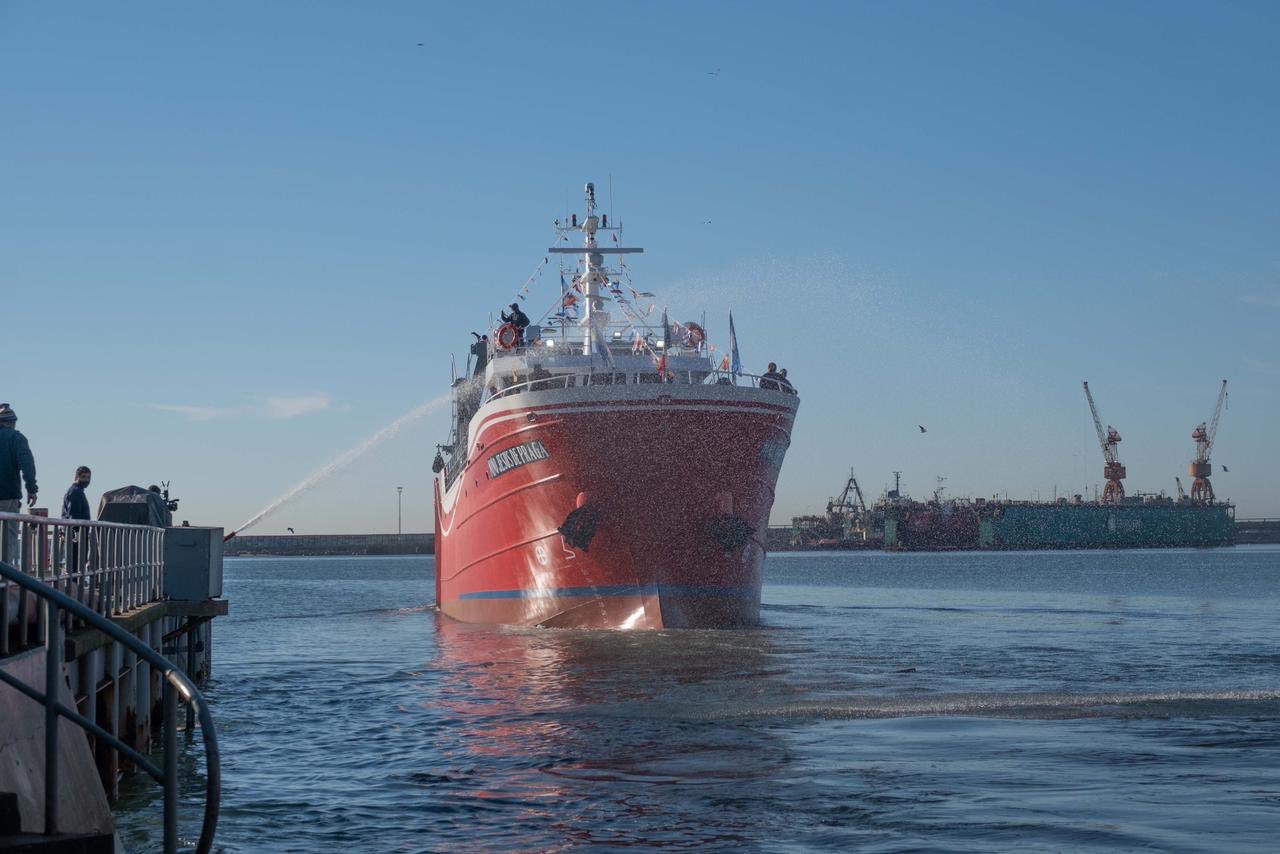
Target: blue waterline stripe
(614,590)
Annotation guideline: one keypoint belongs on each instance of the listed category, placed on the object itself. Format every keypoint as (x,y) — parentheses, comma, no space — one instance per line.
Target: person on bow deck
(518,319)
(769,379)
(785,384)
(480,349)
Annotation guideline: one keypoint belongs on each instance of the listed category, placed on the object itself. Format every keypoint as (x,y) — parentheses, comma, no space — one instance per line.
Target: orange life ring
(507,336)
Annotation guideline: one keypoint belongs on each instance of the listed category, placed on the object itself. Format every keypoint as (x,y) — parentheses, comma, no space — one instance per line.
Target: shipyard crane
(1201,488)
(1113,471)
(1182,493)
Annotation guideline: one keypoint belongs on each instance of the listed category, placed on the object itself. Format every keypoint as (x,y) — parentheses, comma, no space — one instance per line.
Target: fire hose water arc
(343,461)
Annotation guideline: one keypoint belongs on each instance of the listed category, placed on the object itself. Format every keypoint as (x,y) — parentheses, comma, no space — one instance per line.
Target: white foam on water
(1012,704)
(347,458)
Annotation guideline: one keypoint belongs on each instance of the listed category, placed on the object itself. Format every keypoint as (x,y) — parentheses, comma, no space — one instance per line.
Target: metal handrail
(176,684)
(109,566)
(563,380)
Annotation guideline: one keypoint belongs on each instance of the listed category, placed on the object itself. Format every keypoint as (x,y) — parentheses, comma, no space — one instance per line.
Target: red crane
(1201,488)
(1113,471)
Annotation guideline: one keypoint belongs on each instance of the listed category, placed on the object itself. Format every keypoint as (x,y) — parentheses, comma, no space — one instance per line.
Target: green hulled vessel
(1128,524)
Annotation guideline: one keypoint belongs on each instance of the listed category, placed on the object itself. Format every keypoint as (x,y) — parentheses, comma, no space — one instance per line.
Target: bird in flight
(291,530)
(1224,468)
(922,430)
(715,73)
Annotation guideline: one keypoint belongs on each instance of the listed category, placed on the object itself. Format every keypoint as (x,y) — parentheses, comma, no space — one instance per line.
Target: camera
(170,503)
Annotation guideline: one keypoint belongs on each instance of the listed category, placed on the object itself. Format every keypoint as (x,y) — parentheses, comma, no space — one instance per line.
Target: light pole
(399,514)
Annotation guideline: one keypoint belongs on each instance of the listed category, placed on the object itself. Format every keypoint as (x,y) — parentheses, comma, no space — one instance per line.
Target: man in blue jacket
(15,460)
(75,504)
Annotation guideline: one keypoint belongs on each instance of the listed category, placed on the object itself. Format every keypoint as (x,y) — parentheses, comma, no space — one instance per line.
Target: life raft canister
(507,336)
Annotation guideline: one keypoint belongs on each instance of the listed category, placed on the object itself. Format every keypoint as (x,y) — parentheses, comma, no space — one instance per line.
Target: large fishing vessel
(606,468)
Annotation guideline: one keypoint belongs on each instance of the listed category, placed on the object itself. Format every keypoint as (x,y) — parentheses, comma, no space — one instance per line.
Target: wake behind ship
(603,470)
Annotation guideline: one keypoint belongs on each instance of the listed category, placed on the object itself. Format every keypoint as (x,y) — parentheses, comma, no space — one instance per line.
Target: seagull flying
(922,430)
(291,530)
(1224,468)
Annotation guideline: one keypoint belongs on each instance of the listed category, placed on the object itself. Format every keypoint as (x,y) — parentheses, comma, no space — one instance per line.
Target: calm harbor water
(946,702)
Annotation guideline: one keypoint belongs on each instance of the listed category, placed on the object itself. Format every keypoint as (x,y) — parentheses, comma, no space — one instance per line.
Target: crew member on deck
(769,379)
(480,349)
(518,319)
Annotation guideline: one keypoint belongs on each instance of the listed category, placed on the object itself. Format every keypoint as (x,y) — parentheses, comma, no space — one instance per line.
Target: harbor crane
(1201,488)
(1113,471)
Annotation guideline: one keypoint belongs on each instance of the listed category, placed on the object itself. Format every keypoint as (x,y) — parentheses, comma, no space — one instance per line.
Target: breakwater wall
(331,544)
(1257,531)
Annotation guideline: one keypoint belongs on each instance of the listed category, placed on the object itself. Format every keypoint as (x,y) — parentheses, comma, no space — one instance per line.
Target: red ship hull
(678,482)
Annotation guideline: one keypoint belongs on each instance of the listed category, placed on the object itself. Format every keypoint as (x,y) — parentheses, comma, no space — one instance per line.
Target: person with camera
(16,464)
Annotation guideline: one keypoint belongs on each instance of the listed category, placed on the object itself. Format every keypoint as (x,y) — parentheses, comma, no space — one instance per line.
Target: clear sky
(237,238)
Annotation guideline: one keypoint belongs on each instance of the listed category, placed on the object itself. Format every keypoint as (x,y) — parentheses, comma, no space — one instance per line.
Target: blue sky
(237,238)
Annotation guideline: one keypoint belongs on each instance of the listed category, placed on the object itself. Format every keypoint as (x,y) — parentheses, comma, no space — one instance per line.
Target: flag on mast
(735,362)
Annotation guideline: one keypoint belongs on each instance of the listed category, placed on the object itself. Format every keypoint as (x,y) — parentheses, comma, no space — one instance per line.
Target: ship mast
(593,273)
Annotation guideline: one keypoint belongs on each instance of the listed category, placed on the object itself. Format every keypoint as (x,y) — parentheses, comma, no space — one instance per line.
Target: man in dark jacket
(16,464)
(480,349)
(518,319)
(75,505)
(770,379)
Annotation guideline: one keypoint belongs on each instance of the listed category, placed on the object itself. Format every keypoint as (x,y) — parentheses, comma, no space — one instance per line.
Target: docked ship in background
(1112,519)
(603,470)
(897,522)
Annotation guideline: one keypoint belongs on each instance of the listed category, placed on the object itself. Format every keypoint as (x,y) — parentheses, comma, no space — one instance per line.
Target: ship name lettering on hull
(521,455)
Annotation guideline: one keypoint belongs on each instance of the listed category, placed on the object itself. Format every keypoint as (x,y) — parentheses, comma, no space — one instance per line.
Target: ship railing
(719,377)
(177,687)
(108,567)
(554,381)
(608,377)
(557,346)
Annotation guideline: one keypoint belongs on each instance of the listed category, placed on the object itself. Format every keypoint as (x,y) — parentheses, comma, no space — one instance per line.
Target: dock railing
(108,567)
(177,686)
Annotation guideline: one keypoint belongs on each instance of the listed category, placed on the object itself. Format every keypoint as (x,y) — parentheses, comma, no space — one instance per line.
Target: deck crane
(1201,488)
(1113,471)
(845,503)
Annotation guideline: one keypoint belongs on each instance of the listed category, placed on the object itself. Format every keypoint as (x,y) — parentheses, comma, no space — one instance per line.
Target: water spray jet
(342,461)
